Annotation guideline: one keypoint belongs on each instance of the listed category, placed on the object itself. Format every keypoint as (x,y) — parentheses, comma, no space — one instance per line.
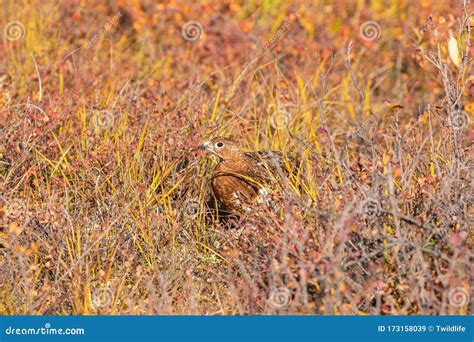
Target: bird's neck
(234,163)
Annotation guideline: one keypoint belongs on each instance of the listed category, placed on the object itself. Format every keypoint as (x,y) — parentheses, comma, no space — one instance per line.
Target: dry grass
(106,203)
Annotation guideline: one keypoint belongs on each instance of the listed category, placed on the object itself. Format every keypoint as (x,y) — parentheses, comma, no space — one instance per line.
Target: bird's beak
(206,146)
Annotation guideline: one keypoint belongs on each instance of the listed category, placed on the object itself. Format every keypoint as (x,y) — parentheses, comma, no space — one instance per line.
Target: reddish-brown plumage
(243,180)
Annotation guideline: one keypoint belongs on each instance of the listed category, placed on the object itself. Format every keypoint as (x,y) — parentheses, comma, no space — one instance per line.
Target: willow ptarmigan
(242,181)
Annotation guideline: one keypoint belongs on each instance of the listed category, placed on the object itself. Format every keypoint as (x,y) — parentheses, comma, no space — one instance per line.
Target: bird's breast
(231,188)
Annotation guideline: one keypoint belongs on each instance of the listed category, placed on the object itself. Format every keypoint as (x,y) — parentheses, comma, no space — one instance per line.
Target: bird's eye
(220,144)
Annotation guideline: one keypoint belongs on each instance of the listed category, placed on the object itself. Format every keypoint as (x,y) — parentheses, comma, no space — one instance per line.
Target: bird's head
(224,148)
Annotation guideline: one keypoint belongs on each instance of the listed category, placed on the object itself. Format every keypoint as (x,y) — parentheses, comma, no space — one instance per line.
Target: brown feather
(242,180)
